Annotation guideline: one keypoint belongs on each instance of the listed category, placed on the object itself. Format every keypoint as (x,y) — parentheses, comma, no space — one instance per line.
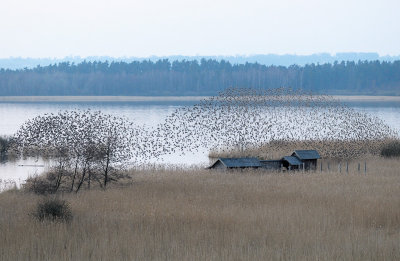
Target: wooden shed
(291,162)
(236,163)
(308,157)
(299,159)
(271,164)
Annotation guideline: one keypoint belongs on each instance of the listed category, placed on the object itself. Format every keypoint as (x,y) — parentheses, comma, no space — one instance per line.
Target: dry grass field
(339,150)
(203,215)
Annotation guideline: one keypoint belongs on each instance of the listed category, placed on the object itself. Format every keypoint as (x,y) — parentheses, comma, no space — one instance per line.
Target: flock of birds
(236,119)
(244,118)
(79,135)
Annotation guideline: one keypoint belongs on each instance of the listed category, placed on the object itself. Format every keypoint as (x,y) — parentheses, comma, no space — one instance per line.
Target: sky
(60,28)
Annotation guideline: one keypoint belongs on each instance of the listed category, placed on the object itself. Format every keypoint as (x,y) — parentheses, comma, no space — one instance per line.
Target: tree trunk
(107,168)
(73,177)
(82,179)
(89,176)
(59,177)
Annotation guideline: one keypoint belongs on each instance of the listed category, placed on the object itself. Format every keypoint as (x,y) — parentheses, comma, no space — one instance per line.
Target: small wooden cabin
(236,163)
(308,158)
(298,160)
(291,162)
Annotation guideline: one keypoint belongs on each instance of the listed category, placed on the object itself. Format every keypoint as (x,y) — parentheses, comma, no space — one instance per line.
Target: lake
(147,111)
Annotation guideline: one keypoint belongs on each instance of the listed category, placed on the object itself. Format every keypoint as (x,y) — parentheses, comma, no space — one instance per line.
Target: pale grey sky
(59,28)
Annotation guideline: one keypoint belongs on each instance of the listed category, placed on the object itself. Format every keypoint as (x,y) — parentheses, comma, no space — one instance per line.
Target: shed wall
(219,165)
(271,165)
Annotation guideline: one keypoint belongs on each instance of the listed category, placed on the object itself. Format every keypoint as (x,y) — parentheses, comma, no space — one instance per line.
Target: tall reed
(207,215)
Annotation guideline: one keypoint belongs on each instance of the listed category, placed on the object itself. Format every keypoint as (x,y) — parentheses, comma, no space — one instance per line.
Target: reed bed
(328,149)
(208,215)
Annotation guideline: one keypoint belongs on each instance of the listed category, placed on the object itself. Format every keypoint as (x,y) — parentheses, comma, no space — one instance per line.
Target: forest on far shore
(198,77)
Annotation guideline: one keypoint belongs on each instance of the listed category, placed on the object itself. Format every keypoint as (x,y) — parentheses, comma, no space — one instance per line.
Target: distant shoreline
(350,98)
(98,98)
(367,98)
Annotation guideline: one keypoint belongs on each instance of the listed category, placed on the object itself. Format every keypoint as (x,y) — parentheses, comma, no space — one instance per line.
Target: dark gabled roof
(240,162)
(294,161)
(270,161)
(306,154)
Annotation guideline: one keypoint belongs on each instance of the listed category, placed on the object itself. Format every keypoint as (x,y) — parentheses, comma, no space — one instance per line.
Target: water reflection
(19,170)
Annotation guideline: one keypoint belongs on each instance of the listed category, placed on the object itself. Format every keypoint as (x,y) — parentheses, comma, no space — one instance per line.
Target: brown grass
(202,215)
(337,149)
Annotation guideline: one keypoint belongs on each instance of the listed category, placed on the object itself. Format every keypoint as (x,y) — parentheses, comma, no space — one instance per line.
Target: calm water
(14,114)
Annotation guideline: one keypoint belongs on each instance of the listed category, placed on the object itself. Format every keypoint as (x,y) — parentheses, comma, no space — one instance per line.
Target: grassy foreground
(202,215)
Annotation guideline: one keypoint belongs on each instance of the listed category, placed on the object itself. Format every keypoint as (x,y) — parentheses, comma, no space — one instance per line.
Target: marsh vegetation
(391,149)
(339,150)
(198,215)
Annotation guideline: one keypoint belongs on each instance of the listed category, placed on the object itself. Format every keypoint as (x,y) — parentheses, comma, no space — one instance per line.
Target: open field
(202,215)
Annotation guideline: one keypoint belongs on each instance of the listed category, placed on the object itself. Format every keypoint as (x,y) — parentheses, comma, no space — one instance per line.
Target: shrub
(4,144)
(53,209)
(391,149)
(41,185)
(8,185)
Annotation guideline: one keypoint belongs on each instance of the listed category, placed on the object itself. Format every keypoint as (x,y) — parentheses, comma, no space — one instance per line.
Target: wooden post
(359,167)
(347,167)
(340,167)
(365,168)
(321,167)
(328,166)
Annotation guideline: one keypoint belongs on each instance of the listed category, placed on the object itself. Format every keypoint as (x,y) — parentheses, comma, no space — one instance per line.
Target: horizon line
(334,54)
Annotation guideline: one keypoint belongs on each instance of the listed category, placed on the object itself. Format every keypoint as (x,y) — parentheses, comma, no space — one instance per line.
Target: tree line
(198,77)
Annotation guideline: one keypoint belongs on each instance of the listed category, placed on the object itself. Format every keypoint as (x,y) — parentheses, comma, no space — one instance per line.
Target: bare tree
(84,146)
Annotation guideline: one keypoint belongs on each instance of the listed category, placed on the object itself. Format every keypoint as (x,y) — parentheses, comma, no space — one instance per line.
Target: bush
(53,209)
(42,184)
(4,144)
(391,149)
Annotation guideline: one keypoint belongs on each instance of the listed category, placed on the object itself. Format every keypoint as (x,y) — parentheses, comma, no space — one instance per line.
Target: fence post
(365,168)
(340,167)
(328,167)
(321,167)
(359,167)
(347,167)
